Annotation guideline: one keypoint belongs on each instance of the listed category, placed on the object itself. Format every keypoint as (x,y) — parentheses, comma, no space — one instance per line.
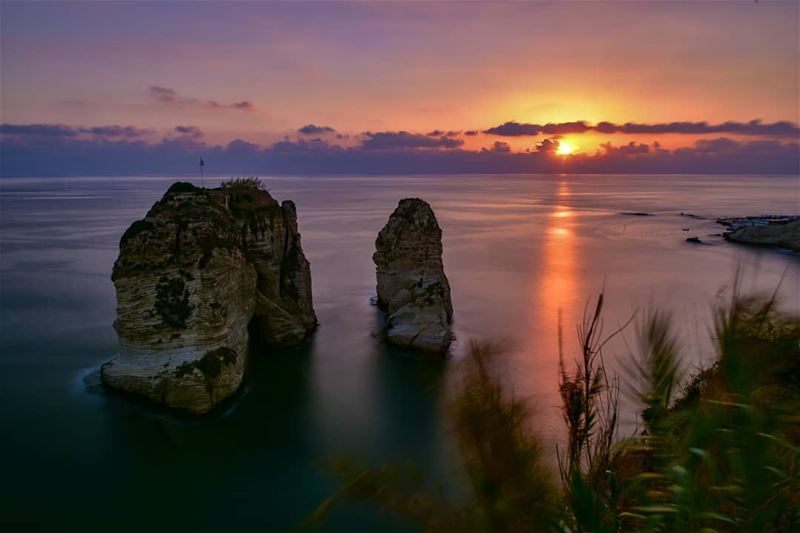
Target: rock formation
(191,277)
(412,286)
(786,235)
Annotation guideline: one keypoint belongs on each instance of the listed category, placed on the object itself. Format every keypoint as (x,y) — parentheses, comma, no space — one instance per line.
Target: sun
(565,148)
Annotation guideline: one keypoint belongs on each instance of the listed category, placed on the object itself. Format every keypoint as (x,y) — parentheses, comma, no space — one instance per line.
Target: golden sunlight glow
(565,148)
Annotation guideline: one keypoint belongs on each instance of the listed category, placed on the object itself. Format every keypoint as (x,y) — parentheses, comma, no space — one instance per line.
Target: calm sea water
(517,249)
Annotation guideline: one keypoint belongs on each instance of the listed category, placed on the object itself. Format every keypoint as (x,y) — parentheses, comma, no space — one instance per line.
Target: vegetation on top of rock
(252,183)
(182,186)
(250,202)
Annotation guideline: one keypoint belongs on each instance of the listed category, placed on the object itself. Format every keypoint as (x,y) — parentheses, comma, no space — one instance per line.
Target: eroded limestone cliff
(412,286)
(201,267)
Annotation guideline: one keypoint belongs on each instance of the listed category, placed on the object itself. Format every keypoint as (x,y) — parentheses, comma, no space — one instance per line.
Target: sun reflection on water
(555,292)
(559,260)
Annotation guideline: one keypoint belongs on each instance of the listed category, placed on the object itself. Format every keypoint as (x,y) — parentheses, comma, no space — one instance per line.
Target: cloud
(471,133)
(754,127)
(116,131)
(547,146)
(60,130)
(631,148)
(563,128)
(311,129)
(168,96)
(443,133)
(163,94)
(302,146)
(38,130)
(514,129)
(191,131)
(721,155)
(53,149)
(392,140)
(498,147)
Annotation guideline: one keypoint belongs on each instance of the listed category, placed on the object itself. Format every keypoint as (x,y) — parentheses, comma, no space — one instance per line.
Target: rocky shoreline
(778,231)
(766,230)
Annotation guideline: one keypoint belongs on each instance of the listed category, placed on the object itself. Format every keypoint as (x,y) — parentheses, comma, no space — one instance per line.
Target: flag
(202,163)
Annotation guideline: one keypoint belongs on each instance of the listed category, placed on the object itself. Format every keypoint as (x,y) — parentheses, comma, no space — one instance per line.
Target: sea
(523,253)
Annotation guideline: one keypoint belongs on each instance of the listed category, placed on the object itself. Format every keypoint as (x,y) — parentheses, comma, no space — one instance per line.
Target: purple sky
(93,87)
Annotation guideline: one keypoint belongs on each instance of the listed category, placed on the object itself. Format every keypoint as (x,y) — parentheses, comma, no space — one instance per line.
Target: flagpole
(202,176)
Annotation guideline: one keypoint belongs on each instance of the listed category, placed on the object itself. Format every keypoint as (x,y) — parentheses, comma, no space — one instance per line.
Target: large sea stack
(191,277)
(412,287)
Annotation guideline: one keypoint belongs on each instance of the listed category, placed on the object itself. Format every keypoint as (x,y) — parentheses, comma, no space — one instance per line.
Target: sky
(117,87)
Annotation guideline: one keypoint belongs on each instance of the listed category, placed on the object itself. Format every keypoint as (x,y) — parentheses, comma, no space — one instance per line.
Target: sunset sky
(415,77)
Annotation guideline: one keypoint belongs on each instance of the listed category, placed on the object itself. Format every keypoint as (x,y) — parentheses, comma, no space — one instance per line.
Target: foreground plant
(724,457)
(717,452)
(510,488)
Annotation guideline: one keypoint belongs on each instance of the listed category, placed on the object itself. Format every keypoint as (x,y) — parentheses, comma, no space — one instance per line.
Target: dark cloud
(163,94)
(311,129)
(563,128)
(192,131)
(498,147)
(606,127)
(302,146)
(168,96)
(471,133)
(60,130)
(631,148)
(116,131)
(514,129)
(753,127)
(393,140)
(443,133)
(51,149)
(547,146)
(38,130)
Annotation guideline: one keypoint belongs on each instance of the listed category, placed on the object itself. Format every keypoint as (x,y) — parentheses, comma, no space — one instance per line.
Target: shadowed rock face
(412,286)
(191,277)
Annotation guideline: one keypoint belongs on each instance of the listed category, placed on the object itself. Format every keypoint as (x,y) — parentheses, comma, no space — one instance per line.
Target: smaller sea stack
(412,287)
